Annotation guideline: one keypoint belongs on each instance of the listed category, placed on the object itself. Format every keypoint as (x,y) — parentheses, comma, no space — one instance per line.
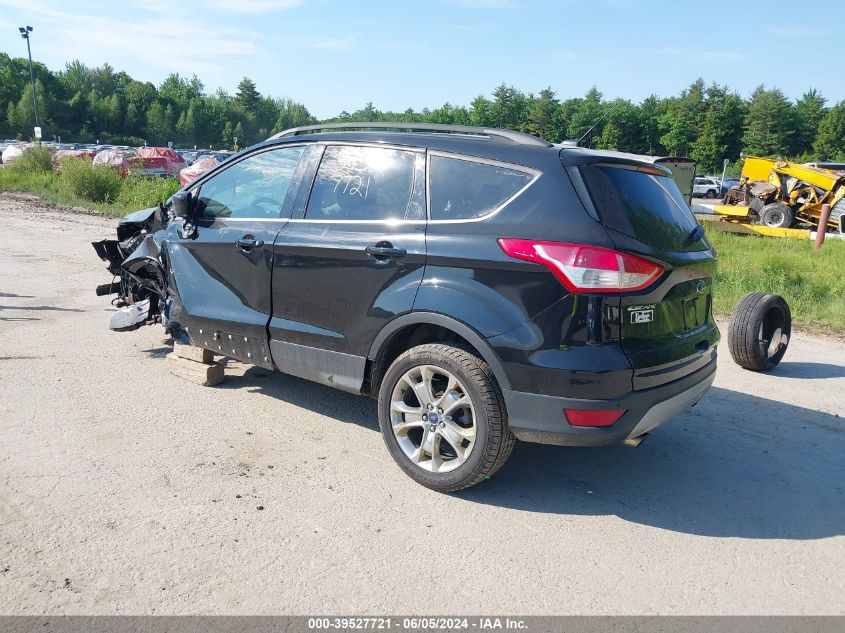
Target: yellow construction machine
(779,194)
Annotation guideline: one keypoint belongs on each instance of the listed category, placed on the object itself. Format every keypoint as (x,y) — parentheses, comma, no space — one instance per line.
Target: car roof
(489,143)
(473,145)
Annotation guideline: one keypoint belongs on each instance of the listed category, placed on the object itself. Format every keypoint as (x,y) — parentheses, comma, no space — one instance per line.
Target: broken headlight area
(134,260)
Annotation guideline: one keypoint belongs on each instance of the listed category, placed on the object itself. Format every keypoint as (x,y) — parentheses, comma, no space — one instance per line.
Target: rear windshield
(647,207)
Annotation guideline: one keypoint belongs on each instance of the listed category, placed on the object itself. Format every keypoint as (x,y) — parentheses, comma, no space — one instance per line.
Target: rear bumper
(539,418)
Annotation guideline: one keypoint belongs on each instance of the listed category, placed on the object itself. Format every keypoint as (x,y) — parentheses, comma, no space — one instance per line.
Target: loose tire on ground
(759,331)
(777,215)
(492,439)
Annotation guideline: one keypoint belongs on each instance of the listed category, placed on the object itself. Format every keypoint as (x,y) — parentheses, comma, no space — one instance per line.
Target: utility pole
(25,31)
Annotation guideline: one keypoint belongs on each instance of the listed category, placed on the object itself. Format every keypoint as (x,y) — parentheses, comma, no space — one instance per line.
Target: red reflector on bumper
(596,417)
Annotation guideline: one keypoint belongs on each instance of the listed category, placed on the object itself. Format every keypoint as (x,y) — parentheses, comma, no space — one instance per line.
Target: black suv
(484,285)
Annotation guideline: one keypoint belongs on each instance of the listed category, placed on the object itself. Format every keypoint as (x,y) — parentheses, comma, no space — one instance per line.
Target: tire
(776,215)
(481,416)
(759,331)
(838,210)
(711,193)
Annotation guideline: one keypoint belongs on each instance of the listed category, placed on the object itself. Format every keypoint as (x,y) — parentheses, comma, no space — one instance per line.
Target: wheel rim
(432,418)
(774,218)
(772,334)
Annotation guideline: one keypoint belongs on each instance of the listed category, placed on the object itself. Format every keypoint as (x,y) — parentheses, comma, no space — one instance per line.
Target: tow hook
(635,441)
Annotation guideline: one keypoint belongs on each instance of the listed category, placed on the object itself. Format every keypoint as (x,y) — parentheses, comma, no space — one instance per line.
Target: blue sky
(334,55)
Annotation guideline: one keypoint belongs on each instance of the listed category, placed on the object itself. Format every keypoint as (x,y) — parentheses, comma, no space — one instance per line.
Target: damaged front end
(135,261)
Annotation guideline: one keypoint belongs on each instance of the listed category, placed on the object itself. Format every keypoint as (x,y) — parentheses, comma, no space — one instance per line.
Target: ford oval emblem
(700,286)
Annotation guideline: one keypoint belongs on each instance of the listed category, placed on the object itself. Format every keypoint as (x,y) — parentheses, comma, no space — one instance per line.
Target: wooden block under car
(206,374)
(199,354)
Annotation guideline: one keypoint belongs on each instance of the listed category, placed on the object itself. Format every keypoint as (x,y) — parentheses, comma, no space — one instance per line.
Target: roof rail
(520,138)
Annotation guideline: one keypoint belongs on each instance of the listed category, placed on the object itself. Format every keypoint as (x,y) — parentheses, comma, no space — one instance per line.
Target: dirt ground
(126,490)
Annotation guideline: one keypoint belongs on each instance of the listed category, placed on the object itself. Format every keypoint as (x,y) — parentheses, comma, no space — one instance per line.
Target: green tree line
(706,123)
(83,104)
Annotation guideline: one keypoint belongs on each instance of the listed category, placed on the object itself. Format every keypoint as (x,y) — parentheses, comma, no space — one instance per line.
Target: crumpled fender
(109,251)
(145,267)
(151,220)
(140,217)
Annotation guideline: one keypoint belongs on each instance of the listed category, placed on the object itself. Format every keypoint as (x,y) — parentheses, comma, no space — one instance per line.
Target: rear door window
(462,189)
(362,183)
(644,205)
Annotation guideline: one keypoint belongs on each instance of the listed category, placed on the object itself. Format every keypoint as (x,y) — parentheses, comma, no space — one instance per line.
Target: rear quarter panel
(469,277)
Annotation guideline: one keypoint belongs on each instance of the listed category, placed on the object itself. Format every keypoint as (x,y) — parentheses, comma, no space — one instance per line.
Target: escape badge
(641,314)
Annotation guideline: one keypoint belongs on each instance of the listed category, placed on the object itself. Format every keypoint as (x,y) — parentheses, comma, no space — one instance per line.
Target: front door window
(254,187)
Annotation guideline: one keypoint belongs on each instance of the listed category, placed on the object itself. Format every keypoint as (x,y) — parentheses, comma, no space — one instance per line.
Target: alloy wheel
(432,418)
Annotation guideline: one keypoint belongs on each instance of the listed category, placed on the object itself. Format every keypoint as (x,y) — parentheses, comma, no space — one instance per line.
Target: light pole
(25,31)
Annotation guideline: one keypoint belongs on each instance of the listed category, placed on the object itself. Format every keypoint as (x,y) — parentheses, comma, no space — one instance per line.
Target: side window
(254,187)
(462,189)
(362,183)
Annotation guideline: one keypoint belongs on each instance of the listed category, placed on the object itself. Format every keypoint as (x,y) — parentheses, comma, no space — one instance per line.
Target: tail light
(583,268)
(596,417)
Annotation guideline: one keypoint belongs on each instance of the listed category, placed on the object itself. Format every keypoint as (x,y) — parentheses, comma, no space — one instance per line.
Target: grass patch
(79,179)
(35,160)
(33,171)
(98,189)
(138,192)
(812,282)
(40,183)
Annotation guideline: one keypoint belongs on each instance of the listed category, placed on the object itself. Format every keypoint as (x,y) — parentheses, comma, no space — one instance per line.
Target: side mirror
(183,205)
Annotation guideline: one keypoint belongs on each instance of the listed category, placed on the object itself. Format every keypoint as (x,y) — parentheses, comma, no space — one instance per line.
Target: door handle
(384,250)
(248,242)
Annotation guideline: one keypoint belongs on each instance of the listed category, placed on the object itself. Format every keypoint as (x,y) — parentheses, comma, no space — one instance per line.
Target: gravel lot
(125,490)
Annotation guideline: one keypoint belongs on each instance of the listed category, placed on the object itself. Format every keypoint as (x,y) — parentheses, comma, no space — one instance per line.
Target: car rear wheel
(443,418)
